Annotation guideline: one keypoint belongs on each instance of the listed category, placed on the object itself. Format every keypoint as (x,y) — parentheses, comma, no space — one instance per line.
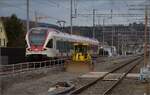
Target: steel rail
(81,89)
(122,77)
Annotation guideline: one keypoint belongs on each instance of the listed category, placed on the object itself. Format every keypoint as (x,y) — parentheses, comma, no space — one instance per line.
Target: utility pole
(118,44)
(93,23)
(145,36)
(36,19)
(98,20)
(122,45)
(71,17)
(125,49)
(27,21)
(103,34)
(112,43)
(103,29)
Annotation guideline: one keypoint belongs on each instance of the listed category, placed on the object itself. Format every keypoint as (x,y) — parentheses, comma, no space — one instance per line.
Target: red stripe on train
(37,48)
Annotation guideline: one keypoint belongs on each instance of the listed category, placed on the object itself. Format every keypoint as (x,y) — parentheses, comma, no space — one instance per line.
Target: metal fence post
(56,63)
(49,63)
(21,67)
(27,66)
(61,62)
(34,66)
(40,64)
(13,68)
(45,64)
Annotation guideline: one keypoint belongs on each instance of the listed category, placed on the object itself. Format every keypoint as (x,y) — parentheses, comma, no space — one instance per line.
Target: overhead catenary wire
(31,12)
(52,3)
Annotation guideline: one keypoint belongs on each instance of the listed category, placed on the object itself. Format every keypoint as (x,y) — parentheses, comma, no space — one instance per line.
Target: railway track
(104,59)
(101,86)
(29,66)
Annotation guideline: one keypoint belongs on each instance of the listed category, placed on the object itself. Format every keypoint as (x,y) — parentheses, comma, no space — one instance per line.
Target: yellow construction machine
(81,59)
(81,53)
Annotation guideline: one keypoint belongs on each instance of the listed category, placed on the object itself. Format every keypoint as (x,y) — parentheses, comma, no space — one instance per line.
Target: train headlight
(29,49)
(44,49)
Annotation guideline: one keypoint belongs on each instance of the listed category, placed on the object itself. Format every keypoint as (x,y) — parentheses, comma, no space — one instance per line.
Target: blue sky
(60,10)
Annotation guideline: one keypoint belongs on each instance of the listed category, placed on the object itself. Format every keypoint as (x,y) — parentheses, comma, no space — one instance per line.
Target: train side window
(57,45)
(60,46)
(50,44)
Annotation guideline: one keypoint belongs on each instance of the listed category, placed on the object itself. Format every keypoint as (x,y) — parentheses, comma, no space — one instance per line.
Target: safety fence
(27,66)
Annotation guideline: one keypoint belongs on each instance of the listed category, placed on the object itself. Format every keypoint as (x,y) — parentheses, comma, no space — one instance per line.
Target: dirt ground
(34,83)
(130,86)
(38,82)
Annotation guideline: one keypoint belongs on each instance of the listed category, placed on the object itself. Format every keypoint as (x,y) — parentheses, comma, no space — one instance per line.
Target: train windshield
(37,37)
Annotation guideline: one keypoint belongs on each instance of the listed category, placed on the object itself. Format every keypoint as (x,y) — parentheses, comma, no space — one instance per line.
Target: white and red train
(51,43)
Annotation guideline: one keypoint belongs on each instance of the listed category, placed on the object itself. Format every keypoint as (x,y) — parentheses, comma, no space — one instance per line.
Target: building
(3,36)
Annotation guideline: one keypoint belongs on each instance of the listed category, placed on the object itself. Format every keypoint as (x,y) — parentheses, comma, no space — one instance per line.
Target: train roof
(69,37)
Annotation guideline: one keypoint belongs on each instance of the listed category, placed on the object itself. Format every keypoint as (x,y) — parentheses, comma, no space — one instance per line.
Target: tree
(15,31)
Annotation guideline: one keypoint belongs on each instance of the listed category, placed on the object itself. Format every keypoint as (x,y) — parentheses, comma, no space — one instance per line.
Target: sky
(56,10)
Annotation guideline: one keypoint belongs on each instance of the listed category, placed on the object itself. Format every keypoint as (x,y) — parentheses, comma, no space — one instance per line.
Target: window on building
(4,41)
(0,29)
(0,42)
